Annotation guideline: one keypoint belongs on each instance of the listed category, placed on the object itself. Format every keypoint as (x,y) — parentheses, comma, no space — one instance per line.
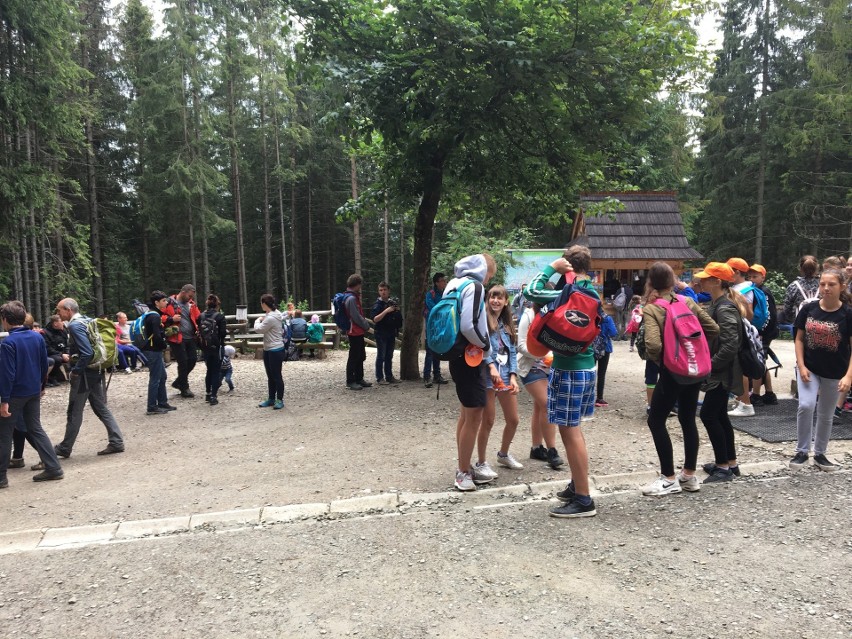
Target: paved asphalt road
(756,558)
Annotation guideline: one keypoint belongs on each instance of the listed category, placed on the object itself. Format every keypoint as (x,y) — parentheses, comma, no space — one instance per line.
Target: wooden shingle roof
(649,228)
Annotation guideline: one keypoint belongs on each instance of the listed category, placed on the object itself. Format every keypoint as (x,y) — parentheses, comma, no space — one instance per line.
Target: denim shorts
(652,373)
(535,375)
(504,375)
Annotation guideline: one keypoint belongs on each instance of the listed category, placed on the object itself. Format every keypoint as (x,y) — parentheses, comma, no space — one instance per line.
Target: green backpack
(102,333)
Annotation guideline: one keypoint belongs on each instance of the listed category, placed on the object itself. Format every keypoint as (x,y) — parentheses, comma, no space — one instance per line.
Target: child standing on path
(388,321)
(823,348)
(468,370)
(608,331)
(571,390)
(635,320)
(534,372)
(502,367)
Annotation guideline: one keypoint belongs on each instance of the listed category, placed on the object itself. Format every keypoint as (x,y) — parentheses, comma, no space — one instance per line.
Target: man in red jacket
(180,317)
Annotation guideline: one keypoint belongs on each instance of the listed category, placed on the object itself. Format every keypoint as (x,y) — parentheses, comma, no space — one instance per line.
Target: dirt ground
(328,443)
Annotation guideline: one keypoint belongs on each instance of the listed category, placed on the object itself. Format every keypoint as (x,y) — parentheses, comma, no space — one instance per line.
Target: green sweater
(536,292)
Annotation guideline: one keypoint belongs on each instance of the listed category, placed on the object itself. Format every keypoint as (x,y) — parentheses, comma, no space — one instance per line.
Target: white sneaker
(482,473)
(464,482)
(733,404)
(661,486)
(509,462)
(689,484)
(743,410)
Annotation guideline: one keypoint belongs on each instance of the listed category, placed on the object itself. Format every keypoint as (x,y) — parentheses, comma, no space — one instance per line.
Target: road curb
(602,486)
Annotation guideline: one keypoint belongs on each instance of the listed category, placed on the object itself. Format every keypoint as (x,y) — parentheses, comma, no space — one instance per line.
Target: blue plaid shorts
(570,396)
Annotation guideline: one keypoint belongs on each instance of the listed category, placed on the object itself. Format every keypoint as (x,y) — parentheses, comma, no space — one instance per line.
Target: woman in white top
(272,326)
(533,373)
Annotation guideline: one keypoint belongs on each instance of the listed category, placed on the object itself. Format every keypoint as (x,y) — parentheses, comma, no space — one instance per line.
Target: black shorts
(470,383)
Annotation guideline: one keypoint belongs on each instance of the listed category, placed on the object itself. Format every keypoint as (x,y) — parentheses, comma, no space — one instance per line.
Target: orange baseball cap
(758,268)
(738,264)
(472,355)
(717,269)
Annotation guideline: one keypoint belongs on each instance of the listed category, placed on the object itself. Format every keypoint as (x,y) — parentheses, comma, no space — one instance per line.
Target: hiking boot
(539,453)
(167,406)
(279,404)
(4,483)
(439,379)
(394,380)
(661,486)
(769,399)
(156,411)
(213,401)
(710,467)
(427,382)
(482,473)
(61,452)
(720,475)
(568,494)
(16,463)
(509,461)
(352,386)
(756,400)
(207,397)
(266,403)
(382,382)
(554,459)
(743,410)
(187,393)
(38,466)
(464,482)
(111,449)
(48,476)
(689,484)
(799,460)
(574,509)
(364,383)
(824,463)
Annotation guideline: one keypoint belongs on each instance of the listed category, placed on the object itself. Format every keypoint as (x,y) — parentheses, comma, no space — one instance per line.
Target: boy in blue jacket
(23,371)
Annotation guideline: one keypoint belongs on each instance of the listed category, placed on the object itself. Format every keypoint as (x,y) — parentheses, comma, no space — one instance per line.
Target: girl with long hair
(727,308)
(670,390)
(824,366)
(502,384)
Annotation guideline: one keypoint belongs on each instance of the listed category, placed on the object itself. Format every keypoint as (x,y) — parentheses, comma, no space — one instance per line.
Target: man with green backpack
(92,352)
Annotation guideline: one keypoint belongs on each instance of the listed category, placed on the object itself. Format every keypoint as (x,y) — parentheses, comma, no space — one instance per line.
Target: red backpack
(686,354)
(568,325)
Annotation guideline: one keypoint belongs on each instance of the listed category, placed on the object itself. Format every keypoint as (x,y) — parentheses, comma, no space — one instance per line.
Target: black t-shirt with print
(827,334)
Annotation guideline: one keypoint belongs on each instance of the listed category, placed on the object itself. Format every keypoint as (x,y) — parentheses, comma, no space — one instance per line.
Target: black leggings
(666,394)
(603,362)
(273,361)
(714,415)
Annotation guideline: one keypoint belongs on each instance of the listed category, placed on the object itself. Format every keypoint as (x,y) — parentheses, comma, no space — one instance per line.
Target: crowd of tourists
(711,335)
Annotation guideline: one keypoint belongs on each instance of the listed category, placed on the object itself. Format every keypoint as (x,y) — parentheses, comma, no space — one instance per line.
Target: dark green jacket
(725,348)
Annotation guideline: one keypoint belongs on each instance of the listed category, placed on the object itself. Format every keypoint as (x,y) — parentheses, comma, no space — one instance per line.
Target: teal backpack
(137,332)
(760,305)
(443,326)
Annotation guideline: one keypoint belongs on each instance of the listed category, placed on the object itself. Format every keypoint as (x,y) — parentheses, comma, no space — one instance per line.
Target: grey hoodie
(272,327)
(472,267)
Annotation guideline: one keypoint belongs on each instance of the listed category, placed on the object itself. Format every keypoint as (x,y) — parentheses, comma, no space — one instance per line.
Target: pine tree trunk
(310,243)
(387,251)
(235,185)
(293,245)
(761,171)
(423,225)
(356,227)
(25,266)
(280,183)
(35,303)
(402,262)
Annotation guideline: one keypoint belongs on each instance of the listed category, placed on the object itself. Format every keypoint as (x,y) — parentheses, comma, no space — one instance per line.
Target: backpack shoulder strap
(801,289)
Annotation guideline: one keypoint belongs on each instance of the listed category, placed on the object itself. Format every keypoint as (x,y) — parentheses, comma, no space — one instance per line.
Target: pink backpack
(686,354)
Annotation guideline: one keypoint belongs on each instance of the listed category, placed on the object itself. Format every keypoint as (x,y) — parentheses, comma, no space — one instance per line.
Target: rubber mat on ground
(778,423)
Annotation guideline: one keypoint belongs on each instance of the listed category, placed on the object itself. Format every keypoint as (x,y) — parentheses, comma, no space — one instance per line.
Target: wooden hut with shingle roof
(648,229)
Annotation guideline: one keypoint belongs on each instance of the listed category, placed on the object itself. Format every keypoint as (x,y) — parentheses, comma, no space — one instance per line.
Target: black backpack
(208,329)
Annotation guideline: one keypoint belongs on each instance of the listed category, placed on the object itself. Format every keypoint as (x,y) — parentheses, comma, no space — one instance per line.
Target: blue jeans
(272,362)
(226,377)
(128,354)
(213,379)
(432,365)
(385,344)
(156,380)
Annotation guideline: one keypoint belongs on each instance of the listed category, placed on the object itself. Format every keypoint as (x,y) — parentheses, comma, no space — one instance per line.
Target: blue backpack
(137,331)
(761,307)
(338,306)
(443,326)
